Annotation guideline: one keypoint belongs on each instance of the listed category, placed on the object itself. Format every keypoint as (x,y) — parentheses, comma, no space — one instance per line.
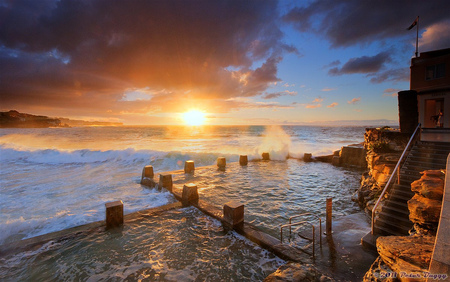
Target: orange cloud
(354,100)
(332,105)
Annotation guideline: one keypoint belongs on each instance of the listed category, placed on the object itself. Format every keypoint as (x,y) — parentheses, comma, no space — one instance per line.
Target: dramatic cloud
(363,64)
(395,75)
(332,105)
(354,101)
(350,22)
(89,54)
(436,36)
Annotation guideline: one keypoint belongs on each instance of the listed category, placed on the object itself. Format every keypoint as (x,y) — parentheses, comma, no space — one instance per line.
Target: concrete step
(400,196)
(384,227)
(397,204)
(427,158)
(400,212)
(399,220)
(445,145)
(415,167)
(400,187)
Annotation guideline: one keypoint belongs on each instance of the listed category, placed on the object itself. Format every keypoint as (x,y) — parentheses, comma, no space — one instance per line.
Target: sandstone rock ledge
(402,258)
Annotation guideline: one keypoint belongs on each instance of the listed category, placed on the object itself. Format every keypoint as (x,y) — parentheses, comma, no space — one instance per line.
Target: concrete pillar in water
(114,214)
(328,231)
(189,166)
(165,181)
(190,194)
(233,214)
(307,157)
(147,171)
(336,160)
(265,156)
(243,160)
(221,162)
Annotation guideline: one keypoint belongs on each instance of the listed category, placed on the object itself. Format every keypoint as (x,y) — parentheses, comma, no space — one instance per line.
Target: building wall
(430,78)
(419,81)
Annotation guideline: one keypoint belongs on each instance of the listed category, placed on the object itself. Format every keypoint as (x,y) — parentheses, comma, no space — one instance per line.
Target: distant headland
(14,119)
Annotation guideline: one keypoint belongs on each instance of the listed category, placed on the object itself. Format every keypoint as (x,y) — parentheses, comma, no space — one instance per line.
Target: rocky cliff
(14,119)
(383,147)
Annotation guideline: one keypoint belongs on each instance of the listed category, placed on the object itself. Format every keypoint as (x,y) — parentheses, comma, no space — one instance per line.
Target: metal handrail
(386,187)
(299,223)
(308,213)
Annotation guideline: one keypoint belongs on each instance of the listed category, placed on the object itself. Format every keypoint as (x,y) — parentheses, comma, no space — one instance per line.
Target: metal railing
(302,223)
(396,170)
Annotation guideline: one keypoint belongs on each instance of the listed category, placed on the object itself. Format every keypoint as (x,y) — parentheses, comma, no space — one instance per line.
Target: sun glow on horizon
(194,117)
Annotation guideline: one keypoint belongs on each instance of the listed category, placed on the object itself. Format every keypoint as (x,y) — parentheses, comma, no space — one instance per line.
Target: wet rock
(297,272)
(424,211)
(408,254)
(379,272)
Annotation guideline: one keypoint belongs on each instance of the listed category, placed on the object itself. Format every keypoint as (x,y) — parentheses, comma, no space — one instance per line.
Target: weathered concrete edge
(440,260)
(79,231)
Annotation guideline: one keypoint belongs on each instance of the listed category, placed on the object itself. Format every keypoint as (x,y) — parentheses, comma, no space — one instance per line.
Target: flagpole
(417,38)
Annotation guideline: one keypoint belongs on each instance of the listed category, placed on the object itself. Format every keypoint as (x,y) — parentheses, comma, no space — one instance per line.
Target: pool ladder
(299,223)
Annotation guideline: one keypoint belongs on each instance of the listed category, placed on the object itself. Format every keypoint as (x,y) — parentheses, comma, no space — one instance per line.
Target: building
(428,100)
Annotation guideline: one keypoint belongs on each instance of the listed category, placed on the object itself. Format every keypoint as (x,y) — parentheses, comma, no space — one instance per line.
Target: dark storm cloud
(75,52)
(350,22)
(364,64)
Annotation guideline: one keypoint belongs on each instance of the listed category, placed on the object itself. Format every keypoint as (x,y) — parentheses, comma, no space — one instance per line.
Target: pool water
(274,191)
(178,245)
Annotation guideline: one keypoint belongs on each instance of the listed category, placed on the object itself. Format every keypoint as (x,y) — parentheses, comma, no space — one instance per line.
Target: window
(435,71)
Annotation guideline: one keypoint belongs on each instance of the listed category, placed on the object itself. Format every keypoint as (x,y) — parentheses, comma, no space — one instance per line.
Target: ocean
(57,178)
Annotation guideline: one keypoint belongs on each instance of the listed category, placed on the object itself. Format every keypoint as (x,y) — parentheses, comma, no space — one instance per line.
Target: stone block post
(189,166)
(243,160)
(114,214)
(165,181)
(233,214)
(265,156)
(221,162)
(190,194)
(147,171)
(307,157)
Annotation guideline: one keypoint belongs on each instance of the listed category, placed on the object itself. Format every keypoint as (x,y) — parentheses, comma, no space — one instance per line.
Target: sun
(194,117)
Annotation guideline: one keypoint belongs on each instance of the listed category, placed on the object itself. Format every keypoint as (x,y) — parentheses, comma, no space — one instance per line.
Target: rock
(379,272)
(297,272)
(407,254)
(430,185)
(424,211)
(434,172)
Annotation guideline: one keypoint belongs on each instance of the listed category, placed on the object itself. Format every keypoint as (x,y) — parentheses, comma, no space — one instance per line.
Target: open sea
(57,178)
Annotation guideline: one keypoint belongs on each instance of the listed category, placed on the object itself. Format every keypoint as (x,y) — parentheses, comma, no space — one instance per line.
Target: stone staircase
(393,219)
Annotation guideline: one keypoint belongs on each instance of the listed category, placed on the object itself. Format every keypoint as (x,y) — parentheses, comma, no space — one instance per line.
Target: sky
(334,62)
